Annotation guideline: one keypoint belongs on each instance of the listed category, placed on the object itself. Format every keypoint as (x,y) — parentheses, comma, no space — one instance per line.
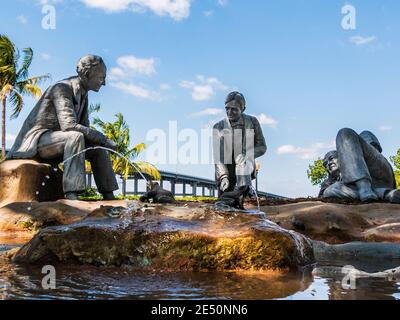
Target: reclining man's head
(331,163)
(92,71)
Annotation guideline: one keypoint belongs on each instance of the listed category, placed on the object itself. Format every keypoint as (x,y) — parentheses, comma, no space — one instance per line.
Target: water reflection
(87,282)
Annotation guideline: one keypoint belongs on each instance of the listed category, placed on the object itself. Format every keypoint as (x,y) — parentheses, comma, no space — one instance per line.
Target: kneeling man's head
(235,105)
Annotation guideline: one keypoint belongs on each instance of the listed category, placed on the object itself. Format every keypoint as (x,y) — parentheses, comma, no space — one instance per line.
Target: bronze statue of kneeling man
(358,170)
(237,141)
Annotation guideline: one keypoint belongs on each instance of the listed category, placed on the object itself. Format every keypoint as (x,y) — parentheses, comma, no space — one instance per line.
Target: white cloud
(310,153)
(51,2)
(45,56)
(266,120)
(130,66)
(164,86)
(208,13)
(136,90)
(360,41)
(176,9)
(223,3)
(203,88)
(22,19)
(385,128)
(208,112)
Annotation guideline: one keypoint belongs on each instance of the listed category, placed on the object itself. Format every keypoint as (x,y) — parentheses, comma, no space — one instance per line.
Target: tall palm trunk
(3,129)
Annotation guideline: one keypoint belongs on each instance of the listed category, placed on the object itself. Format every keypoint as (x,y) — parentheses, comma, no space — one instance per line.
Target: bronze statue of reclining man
(358,170)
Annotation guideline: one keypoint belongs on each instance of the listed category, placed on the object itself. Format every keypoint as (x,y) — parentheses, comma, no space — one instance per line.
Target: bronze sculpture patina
(358,170)
(58,128)
(157,194)
(237,141)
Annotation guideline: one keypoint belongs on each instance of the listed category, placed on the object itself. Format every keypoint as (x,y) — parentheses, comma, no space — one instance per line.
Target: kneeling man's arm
(260,146)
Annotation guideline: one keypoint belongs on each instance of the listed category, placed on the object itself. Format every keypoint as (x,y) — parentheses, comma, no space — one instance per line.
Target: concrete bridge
(190,185)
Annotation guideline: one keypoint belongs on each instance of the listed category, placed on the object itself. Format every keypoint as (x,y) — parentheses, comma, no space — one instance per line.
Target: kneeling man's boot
(72,196)
(236,197)
(108,196)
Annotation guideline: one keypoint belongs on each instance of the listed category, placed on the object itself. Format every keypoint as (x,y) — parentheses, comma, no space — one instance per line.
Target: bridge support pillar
(135,186)
(173,187)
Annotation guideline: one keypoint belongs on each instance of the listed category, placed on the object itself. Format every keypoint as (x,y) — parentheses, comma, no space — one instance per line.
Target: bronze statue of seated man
(58,128)
(358,170)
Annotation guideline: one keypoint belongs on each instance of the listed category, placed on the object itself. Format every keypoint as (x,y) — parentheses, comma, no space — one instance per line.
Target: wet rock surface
(336,222)
(20,221)
(174,238)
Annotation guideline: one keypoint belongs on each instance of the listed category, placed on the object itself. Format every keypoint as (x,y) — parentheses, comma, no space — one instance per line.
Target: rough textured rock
(357,251)
(19,222)
(339,223)
(22,181)
(173,238)
(385,233)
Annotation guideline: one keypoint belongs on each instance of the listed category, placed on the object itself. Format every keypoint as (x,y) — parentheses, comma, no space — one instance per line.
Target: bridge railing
(198,186)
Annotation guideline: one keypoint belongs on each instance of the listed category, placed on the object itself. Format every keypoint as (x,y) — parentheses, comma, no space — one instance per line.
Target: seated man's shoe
(108,196)
(72,196)
(393,196)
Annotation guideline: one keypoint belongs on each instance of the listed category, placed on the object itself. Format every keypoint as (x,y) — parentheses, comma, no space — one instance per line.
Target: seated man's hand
(110,144)
(224,184)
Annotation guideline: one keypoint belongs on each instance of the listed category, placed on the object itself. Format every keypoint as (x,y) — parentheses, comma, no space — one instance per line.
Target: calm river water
(87,282)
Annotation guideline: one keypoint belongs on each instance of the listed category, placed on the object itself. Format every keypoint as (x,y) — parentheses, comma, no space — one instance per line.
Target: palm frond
(32,90)
(99,123)
(5,69)
(94,108)
(5,91)
(17,102)
(7,51)
(23,72)
(147,168)
(135,151)
(35,80)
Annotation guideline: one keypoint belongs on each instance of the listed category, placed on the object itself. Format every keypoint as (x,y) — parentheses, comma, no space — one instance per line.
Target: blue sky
(302,74)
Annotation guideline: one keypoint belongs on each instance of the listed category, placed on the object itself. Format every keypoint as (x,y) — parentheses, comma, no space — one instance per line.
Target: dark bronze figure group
(58,128)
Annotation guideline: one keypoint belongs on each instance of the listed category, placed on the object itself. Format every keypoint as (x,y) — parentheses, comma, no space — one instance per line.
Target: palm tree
(118,132)
(15,81)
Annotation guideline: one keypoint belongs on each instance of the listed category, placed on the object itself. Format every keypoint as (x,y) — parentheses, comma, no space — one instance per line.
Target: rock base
(339,223)
(173,238)
(29,180)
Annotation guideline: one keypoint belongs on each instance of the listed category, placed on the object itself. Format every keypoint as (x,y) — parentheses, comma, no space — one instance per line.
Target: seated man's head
(369,137)
(92,71)
(331,163)
(235,105)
